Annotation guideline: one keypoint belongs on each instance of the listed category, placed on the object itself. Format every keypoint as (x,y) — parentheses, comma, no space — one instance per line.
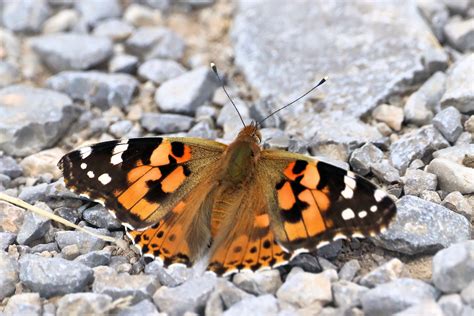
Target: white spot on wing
(351,183)
(347,214)
(116,159)
(83,166)
(379,195)
(362,214)
(322,244)
(347,193)
(373,208)
(118,151)
(85,152)
(357,235)
(298,251)
(105,178)
(339,236)
(90,174)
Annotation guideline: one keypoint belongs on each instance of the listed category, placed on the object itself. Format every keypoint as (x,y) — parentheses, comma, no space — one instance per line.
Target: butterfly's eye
(258,135)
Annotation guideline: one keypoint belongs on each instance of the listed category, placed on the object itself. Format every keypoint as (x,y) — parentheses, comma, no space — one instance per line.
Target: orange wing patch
(253,250)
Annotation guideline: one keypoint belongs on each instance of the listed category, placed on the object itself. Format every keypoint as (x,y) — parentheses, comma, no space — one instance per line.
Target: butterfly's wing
(150,181)
(313,203)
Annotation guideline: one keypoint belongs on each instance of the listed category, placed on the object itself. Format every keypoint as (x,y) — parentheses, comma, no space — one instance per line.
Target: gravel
(448,122)
(160,70)
(25,15)
(452,176)
(459,92)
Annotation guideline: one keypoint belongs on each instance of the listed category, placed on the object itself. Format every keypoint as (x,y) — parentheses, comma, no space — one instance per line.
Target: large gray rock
(364,157)
(32,119)
(421,104)
(452,176)
(418,144)
(421,226)
(9,275)
(389,298)
(264,305)
(459,92)
(448,122)
(155,42)
(460,34)
(263,282)
(387,272)
(115,29)
(93,11)
(53,276)
(185,93)
(140,287)
(347,294)
(100,89)
(34,226)
(455,153)
(86,242)
(453,268)
(387,55)
(69,51)
(166,123)
(25,15)
(83,304)
(190,296)
(160,70)
(416,181)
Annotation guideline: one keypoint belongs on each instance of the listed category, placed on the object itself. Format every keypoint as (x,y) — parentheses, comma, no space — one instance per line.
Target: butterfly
(249,208)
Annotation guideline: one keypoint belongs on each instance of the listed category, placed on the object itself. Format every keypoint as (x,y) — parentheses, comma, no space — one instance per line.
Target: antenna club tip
(213,66)
(326,78)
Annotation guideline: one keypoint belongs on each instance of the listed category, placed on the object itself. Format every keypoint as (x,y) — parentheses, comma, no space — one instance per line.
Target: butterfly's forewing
(140,180)
(314,202)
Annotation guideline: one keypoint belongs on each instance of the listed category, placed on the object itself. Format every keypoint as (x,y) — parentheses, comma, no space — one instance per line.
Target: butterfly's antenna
(297,99)
(214,68)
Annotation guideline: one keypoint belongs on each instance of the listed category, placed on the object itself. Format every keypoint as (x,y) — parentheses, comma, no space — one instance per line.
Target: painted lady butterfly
(254,207)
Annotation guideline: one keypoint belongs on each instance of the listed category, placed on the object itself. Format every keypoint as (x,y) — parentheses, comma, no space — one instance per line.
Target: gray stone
(11,217)
(69,51)
(140,287)
(9,167)
(451,304)
(362,158)
(452,176)
(296,62)
(9,74)
(428,307)
(170,277)
(100,89)
(262,282)
(189,296)
(389,114)
(93,11)
(33,119)
(160,70)
(422,227)
(25,15)
(6,239)
(469,124)
(274,138)
(460,34)
(349,270)
(418,144)
(465,138)
(393,297)
(303,289)
(265,305)
(229,118)
(144,307)
(34,193)
(456,153)
(459,92)
(24,304)
(53,276)
(417,181)
(99,217)
(437,14)
(86,242)
(431,196)
(43,162)
(420,105)
(264,107)
(63,21)
(9,275)
(203,129)
(185,93)
(384,171)
(227,293)
(467,294)
(453,268)
(387,272)
(166,123)
(94,258)
(34,226)
(83,304)
(121,128)
(334,128)
(448,122)
(347,294)
(123,63)
(115,29)
(456,202)
(155,42)
(49,247)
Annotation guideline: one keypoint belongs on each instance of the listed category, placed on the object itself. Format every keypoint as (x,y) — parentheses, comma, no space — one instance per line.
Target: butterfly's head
(250,133)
